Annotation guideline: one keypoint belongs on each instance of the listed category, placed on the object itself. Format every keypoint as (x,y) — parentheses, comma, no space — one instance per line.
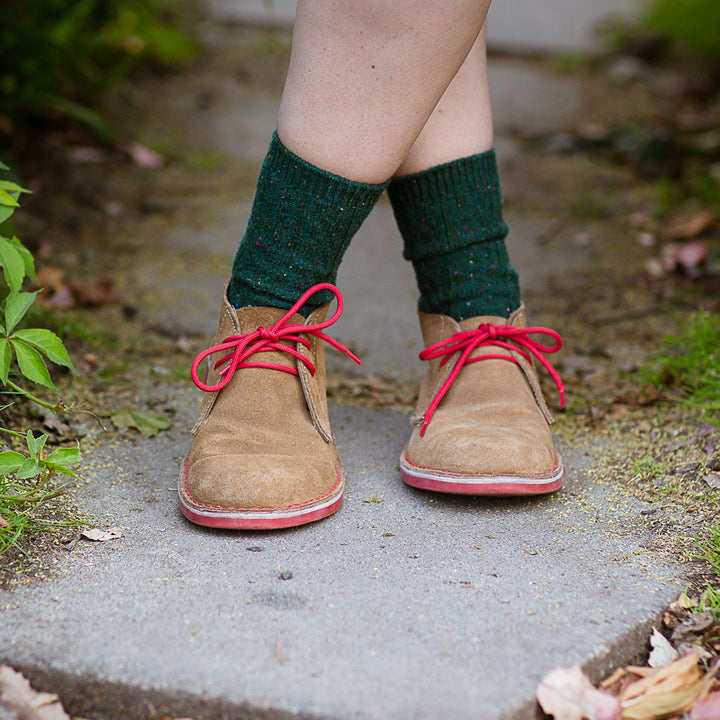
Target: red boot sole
(489,485)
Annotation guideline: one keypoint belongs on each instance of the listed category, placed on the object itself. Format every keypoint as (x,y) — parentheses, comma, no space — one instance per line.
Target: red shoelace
(241,347)
(504,336)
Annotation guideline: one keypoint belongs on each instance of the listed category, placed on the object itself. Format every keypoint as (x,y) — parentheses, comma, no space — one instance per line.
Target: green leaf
(5,358)
(13,265)
(7,199)
(5,213)
(64,457)
(35,444)
(10,461)
(3,166)
(147,423)
(26,255)
(16,305)
(30,468)
(46,342)
(31,364)
(11,186)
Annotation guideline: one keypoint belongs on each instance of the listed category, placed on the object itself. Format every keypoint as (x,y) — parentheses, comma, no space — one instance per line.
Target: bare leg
(461,123)
(366,75)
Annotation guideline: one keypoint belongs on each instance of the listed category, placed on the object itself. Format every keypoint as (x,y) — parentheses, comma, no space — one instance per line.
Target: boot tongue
(252,318)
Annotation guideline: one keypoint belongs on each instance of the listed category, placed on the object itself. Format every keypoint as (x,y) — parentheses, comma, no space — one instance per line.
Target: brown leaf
(17,695)
(4,522)
(95,294)
(691,225)
(681,673)
(97,535)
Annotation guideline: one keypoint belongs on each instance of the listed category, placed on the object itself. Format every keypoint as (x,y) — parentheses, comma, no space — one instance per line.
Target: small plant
(25,477)
(25,487)
(689,364)
(26,346)
(710,550)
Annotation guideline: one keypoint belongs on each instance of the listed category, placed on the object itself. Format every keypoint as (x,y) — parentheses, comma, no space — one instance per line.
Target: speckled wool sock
(302,221)
(450,217)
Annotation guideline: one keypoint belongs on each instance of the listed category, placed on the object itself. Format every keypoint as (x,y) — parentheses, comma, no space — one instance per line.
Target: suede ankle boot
(481,423)
(264,455)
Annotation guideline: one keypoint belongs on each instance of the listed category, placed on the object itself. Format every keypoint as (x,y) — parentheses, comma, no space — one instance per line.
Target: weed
(688,364)
(710,549)
(25,486)
(25,477)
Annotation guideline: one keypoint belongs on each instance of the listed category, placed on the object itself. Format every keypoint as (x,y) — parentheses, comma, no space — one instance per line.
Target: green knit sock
(302,221)
(450,217)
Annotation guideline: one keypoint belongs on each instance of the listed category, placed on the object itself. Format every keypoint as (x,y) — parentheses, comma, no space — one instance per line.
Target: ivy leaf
(13,264)
(35,444)
(26,255)
(10,461)
(64,457)
(5,213)
(46,342)
(16,305)
(7,198)
(31,364)
(5,358)
(11,187)
(149,424)
(30,468)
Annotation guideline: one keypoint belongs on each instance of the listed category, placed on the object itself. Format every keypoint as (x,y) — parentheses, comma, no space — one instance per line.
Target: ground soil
(99,219)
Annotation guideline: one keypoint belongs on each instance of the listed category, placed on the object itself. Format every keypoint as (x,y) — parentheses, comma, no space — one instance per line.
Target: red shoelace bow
(241,347)
(467,341)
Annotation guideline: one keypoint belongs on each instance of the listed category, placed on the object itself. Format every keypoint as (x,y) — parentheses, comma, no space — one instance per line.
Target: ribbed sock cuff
(302,221)
(451,220)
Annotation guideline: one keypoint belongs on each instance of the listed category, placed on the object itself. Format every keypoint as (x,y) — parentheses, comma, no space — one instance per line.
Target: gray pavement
(415,607)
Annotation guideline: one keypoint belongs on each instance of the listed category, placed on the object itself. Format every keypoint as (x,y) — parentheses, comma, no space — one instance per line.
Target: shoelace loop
(239,348)
(518,340)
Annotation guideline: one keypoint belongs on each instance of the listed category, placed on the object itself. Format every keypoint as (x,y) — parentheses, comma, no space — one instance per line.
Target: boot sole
(263,518)
(489,485)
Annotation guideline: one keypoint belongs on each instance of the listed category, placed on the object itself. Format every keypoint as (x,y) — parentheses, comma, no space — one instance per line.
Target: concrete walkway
(413,607)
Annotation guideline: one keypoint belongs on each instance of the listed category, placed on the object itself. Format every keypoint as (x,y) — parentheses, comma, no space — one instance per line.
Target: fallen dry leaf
(666,692)
(707,709)
(95,294)
(4,522)
(18,696)
(663,653)
(97,535)
(689,226)
(566,694)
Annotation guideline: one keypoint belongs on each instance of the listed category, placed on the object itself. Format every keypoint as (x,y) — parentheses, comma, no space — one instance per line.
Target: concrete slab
(416,606)
(556,25)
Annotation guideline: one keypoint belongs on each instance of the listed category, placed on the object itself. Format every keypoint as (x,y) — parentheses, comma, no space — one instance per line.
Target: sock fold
(301,223)
(451,220)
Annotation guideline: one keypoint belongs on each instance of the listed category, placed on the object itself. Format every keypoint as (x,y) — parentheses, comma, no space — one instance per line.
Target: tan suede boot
(481,423)
(264,455)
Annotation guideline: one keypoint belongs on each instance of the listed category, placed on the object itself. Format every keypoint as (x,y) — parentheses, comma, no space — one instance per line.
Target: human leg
(264,455)
(481,427)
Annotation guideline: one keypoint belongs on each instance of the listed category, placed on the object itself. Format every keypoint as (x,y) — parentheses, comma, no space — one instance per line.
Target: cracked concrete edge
(87,696)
